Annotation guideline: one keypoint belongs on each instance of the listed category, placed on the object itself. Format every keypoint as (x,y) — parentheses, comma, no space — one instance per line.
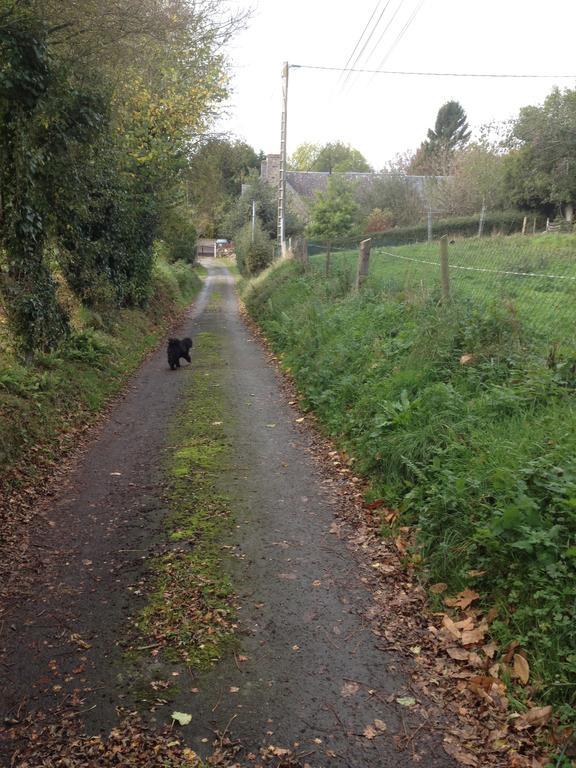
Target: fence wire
(530,277)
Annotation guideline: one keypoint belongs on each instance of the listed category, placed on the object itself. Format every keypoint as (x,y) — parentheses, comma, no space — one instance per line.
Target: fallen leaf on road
(300,420)
(462,600)
(183,718)
(459,754)
(406,701)
(460,654)
(234,689)
(469,637)
(534,718)
(521,668)
(349,689)
(278,751)
(489,649)
(380,724)
(369,732)
(451,628)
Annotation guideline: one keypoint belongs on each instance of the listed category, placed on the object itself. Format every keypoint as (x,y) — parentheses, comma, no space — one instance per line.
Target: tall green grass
(479,456)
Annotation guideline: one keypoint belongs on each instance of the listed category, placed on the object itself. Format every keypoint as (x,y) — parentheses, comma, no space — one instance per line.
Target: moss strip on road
(190,612)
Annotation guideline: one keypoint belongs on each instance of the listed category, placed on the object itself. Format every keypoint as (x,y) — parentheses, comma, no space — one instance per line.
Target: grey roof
(308,183)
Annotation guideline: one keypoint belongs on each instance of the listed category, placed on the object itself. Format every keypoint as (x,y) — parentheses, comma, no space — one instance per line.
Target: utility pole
(253,219)
(281,231)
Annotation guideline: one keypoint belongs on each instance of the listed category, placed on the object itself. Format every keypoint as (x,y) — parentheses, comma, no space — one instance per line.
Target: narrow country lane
(315,674)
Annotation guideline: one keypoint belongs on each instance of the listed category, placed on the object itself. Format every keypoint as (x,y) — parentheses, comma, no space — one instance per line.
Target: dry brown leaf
(521,668)
(472,636)
(460,755)
(349,689)
(380,724)
(466,358)
(462,600)
(491,615)
(489,649)
(400,544)
(465,624)
(534,718)
(475,573)
(452,629)
(369,732)
(485,682)
(279,751)
(509,652)
(460,654)
(438,588)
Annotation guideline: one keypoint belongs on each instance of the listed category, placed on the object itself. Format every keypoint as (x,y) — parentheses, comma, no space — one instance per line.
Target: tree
(266,207)
(304,157)
(335,157)
(378,221)
(214,177)
(90,161)
(450,132)
(395,193)
(540,171)
(254,249)
(332,216)
(477,179)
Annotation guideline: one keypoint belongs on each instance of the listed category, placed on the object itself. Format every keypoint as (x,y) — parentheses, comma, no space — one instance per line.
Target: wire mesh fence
(533,278)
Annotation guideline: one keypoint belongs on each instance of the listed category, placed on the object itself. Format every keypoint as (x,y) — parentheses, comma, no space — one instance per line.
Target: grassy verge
(190,612)
(43,403)
(460,418)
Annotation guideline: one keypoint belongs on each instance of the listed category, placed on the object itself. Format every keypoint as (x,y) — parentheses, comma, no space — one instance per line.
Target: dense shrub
(179,234)
(504,223)
(254,252)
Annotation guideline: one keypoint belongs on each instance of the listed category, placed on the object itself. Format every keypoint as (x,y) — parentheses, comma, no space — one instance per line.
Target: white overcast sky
(383,115)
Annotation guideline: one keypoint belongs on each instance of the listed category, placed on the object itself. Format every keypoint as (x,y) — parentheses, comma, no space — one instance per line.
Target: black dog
(178,349)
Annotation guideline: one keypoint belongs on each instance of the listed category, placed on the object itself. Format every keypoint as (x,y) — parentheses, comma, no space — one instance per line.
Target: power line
(401,33)
(431,74)
(374,28)
(362,35)
(386,28)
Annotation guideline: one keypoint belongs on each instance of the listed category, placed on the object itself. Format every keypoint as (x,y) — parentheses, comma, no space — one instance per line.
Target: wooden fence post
(444,268)
(524,225)
(300,251)
(363,263)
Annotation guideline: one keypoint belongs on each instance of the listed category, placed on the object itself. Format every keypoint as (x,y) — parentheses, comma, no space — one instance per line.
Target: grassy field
(462,415)
(534,277)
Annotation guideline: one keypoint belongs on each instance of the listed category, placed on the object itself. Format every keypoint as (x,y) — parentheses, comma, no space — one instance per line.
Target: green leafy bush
(254,251)
(504,223)
(179,235)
